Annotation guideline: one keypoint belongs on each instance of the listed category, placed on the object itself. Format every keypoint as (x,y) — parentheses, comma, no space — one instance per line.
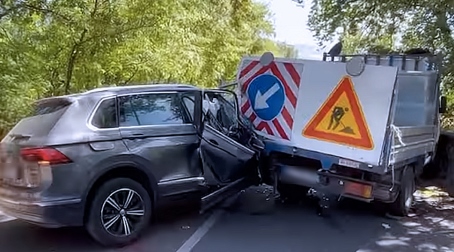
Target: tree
(64,46)
(384,25)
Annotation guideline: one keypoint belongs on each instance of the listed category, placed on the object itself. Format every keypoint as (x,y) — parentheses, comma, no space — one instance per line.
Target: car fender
(126,160)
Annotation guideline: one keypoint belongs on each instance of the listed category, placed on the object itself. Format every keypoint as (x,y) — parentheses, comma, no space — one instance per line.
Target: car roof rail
(405,61)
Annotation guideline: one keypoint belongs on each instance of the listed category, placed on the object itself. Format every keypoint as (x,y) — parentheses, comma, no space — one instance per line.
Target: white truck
(357,126)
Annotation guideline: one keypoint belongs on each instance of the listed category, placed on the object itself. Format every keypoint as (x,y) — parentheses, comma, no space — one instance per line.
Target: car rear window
(45,115)
(50,106)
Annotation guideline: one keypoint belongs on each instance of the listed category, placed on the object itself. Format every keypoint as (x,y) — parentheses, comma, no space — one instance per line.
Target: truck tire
(404,201)
(119,213)
(448,163)
(290,192)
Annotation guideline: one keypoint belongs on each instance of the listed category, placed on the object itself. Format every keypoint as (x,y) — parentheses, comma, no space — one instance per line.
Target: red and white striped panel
(289,74)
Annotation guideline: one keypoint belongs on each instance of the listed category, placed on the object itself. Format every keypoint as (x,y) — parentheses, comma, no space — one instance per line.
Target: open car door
(229,149)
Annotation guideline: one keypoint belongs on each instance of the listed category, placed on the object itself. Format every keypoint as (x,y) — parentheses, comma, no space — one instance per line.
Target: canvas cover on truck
(319,106)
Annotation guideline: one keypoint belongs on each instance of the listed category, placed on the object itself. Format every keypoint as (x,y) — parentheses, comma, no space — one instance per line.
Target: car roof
(142,88)
(118,90)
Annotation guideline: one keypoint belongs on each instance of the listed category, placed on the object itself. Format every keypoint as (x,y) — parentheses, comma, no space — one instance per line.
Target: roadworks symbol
(340,119)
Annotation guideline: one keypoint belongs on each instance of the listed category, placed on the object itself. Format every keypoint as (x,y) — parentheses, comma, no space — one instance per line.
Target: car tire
(404,201)
(119,212)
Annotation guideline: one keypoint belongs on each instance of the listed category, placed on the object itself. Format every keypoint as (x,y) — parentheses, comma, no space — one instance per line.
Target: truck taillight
(44,155)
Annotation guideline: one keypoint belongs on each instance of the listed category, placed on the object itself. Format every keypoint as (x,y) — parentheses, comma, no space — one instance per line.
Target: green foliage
(385,25)
(59,47)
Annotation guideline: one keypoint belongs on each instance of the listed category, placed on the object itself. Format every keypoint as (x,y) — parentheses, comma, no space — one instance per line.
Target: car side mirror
(443,105)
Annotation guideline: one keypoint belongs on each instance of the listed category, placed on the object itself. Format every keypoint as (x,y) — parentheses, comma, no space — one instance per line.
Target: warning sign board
(340,119)
(269,95)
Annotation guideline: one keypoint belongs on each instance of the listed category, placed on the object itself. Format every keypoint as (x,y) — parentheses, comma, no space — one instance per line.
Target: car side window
(189,103)
(150,109)
(222,112)
(105,116)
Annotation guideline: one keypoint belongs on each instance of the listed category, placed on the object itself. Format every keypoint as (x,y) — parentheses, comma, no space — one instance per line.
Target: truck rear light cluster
(44,155)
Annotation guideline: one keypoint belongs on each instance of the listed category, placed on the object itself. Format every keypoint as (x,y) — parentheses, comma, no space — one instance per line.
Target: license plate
(9,162)
(348,163)
(10,173)
(358,189)
(301,174)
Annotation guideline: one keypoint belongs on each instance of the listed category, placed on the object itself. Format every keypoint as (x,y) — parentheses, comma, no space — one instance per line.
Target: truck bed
(397,97)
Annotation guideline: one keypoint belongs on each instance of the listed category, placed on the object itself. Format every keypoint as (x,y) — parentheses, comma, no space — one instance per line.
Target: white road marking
(190,243)
(195,238)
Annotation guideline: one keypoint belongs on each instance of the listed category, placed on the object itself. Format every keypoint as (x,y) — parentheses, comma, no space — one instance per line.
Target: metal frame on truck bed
(400,148)
(413,130)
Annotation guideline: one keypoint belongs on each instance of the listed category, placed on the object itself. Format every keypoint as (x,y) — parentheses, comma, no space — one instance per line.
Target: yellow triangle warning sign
(340,119)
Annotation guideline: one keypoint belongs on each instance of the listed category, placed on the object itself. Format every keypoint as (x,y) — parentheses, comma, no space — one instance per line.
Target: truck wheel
(290,192)
(404,201)
(448,162)
(119,213)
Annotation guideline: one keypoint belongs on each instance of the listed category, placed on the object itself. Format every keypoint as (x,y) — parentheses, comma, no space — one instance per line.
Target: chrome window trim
(92,114)
(156,126)
(89,122)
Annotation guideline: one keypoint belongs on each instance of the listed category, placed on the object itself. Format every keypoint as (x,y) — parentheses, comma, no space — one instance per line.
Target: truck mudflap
(347,187)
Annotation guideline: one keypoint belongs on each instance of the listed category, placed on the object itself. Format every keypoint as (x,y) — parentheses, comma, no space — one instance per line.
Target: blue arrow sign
(267,96)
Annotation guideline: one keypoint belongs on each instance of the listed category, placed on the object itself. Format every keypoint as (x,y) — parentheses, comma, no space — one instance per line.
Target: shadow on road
(256,223)
(19,236)
(430,228)
(171,224)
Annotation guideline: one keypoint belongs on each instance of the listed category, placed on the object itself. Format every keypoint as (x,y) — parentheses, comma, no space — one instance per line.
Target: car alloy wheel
(122,211)
(119,212)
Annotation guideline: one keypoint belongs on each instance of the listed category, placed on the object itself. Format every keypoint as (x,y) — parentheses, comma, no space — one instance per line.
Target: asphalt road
(254,222)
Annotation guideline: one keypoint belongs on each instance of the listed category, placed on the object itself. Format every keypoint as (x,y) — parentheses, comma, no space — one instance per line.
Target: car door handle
(213,141)
(134,136)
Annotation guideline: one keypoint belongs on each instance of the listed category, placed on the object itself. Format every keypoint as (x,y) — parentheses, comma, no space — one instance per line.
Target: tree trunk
(72,61)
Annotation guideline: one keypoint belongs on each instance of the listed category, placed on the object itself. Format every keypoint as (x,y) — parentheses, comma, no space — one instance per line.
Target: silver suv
(105,159)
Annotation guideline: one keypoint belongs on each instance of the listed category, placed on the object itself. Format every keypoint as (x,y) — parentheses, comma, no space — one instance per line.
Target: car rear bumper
(52,214)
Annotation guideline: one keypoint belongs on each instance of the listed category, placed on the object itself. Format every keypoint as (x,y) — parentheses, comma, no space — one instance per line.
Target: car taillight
(44,155)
